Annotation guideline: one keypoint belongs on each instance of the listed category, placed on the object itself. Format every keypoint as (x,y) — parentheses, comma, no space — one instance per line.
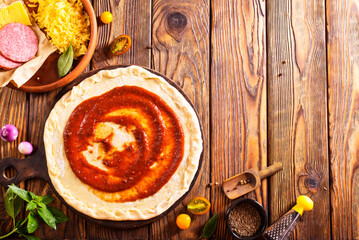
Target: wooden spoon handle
(269,171)
(31,167)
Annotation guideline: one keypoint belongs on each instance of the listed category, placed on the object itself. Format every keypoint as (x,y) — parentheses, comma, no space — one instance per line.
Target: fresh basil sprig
(36,205)
(65,61)
(210,227)
(13,204)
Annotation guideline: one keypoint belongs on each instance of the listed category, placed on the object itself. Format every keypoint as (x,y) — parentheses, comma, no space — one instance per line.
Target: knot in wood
(176,24)
(311,183)
(177,21)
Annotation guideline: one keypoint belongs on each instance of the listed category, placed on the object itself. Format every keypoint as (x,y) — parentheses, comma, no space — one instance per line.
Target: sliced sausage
(18,42)
(8,64)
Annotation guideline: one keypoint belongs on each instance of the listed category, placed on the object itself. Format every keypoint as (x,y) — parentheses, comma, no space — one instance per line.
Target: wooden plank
(343,81)
(181,52)
(297,112)
(239,122)
(13,110)
(133,18)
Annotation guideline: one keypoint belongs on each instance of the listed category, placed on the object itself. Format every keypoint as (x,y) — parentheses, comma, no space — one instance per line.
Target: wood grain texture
(181,51)
(228,56)
(297,112)
(133,18)
(343,81)
(13,110)
(238,97)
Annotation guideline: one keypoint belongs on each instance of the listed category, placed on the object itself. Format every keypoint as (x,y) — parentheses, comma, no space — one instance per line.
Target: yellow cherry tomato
(199,206)
(106,17)
(183,221)
(121,45)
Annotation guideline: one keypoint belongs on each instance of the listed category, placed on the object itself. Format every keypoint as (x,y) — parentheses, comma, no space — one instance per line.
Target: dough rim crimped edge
(192,160)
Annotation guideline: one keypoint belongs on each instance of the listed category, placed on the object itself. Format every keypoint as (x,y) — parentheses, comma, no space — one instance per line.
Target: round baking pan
(35,166)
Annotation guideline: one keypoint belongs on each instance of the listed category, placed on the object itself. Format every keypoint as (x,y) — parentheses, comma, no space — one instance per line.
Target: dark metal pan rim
(35,166)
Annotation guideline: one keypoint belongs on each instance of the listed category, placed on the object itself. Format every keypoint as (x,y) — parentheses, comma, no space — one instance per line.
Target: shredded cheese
(65,22)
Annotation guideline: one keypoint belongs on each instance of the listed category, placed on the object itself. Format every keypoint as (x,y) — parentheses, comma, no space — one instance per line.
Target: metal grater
(283,227)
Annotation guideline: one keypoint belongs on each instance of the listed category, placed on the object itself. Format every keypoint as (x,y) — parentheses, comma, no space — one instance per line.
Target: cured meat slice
(8,64)
(18,42)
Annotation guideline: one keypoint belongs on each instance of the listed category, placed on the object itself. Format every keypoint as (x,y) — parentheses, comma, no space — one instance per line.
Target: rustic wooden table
(271,80)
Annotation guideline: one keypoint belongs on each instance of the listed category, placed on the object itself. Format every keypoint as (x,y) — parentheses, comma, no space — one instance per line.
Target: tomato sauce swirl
(142,166)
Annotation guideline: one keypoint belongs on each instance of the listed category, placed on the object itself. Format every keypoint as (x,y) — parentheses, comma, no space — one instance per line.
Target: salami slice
(8,64)
(18,42)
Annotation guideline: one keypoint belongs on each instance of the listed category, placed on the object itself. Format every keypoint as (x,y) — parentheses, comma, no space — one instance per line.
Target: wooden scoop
(247,181)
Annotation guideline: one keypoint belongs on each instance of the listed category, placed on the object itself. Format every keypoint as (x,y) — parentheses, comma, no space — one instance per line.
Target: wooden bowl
(46,78)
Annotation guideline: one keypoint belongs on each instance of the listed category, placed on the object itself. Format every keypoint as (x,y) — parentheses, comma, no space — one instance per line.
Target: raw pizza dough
(80,195)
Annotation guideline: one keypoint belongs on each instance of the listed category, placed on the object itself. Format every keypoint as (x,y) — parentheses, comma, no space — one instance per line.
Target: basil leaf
(31,206)
(47,216)
(20,192)
(59,216)
(46,199)
(210,227)
(18,224)
(13,203)
(41,205)
(33,196)
(31,223)
(28,237)
(65,61)
(37,199)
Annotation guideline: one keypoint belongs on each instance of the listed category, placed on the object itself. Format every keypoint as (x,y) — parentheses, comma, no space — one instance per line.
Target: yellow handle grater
(285,225)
